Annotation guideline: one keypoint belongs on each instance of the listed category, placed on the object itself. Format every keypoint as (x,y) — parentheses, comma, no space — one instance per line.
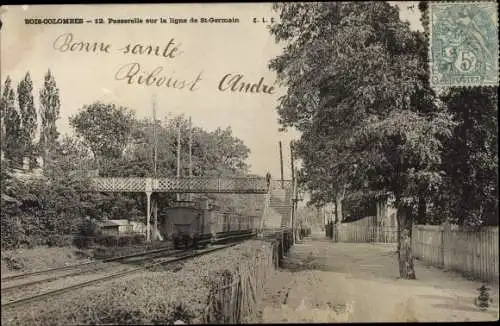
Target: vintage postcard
(233,163)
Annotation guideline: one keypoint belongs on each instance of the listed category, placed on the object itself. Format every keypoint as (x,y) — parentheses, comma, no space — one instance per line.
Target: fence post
(445,228)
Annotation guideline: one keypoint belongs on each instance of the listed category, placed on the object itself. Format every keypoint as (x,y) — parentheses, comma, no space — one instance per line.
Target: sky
(208,50)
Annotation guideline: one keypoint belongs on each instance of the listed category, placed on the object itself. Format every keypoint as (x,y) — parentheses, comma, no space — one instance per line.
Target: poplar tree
(28,117)
(12,122)
(49,113)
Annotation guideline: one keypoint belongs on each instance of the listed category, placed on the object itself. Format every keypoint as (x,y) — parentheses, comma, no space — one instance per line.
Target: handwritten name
(134,74)
(235,84)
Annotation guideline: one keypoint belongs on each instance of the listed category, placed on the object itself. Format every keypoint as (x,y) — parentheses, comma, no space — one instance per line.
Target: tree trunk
(422,210)
(405,257)
(338,208)
(335,212)
(398,237)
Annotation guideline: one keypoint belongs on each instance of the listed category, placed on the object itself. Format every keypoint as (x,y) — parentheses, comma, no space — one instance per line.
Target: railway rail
(224,236)
(145,260)
(80,265)
(31,279)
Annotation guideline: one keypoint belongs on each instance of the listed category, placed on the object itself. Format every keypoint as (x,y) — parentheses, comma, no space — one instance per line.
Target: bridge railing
(179,185)
(278,184)
(119,184)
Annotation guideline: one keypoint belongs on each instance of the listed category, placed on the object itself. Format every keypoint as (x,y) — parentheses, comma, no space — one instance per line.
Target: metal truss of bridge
(182,185)
(191,185)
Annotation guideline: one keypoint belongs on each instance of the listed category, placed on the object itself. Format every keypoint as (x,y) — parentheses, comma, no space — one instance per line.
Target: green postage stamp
(463,43)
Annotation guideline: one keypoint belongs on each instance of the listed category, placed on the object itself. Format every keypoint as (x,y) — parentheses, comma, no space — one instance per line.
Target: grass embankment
(189,291)
(28,260)
(25,260)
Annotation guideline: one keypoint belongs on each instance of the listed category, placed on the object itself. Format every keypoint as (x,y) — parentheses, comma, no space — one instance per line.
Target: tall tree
(105,128)
(12,122)
(70,155)
(358,90)
(469,194)
(3,111)
(217,152)
(28,117)
(49,113)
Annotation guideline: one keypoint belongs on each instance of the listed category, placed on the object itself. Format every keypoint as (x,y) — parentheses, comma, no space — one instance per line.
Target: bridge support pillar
(155,216)
(148,215)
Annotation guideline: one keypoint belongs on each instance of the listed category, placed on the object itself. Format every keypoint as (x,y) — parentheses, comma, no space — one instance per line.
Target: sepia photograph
(249,163)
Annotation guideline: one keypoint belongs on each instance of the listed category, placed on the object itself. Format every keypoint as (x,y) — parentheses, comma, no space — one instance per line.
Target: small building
(115,227)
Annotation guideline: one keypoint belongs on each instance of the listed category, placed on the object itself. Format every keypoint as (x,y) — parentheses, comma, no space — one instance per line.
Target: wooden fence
(236,298)
(365,230)
(473,252)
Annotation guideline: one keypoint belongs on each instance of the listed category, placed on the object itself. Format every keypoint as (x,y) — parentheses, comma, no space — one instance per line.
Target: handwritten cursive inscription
(171,50)
(134,74)
(65,42)
(235,84)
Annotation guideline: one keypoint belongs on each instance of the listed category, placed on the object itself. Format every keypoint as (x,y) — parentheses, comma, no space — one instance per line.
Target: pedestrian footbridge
(182,185)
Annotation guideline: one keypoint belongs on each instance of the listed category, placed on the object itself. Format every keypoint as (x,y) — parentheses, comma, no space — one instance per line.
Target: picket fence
(364,231)
(471,251)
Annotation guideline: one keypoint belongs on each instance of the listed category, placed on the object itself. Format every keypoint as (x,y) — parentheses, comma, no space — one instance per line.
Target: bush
(83,242)
(109,241)
(106,240)
(88,228)
(139,239)
(52,208)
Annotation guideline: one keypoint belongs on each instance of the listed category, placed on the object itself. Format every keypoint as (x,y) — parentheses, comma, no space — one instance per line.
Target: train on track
(188,224)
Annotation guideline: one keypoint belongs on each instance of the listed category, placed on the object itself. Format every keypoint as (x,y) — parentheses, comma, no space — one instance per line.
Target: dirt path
(323,281)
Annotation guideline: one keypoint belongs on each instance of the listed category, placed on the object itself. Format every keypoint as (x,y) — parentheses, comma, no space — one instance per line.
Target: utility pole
(190,152)
(281,165)
(178,152)
(155,153)
(155,158)
(294,197)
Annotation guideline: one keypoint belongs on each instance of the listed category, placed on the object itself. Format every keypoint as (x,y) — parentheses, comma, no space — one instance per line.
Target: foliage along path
(344,282)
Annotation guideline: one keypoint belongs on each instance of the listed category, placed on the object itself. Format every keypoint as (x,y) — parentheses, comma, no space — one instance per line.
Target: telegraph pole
(294,197)
(281,165)
(190,152)
(155,158)
(178,152)
(155,145)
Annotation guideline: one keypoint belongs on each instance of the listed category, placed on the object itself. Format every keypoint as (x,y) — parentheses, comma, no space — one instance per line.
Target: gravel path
(323,281)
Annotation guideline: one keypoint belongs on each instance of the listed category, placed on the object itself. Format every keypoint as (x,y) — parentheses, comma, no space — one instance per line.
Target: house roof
(111,223)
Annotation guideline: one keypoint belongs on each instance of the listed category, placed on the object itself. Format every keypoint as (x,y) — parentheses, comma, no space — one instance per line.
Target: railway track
(87,274)
(41,277)
(224,236)
(49,271)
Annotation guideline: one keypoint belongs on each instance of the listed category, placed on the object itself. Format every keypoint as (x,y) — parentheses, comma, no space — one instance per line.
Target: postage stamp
(463,44)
